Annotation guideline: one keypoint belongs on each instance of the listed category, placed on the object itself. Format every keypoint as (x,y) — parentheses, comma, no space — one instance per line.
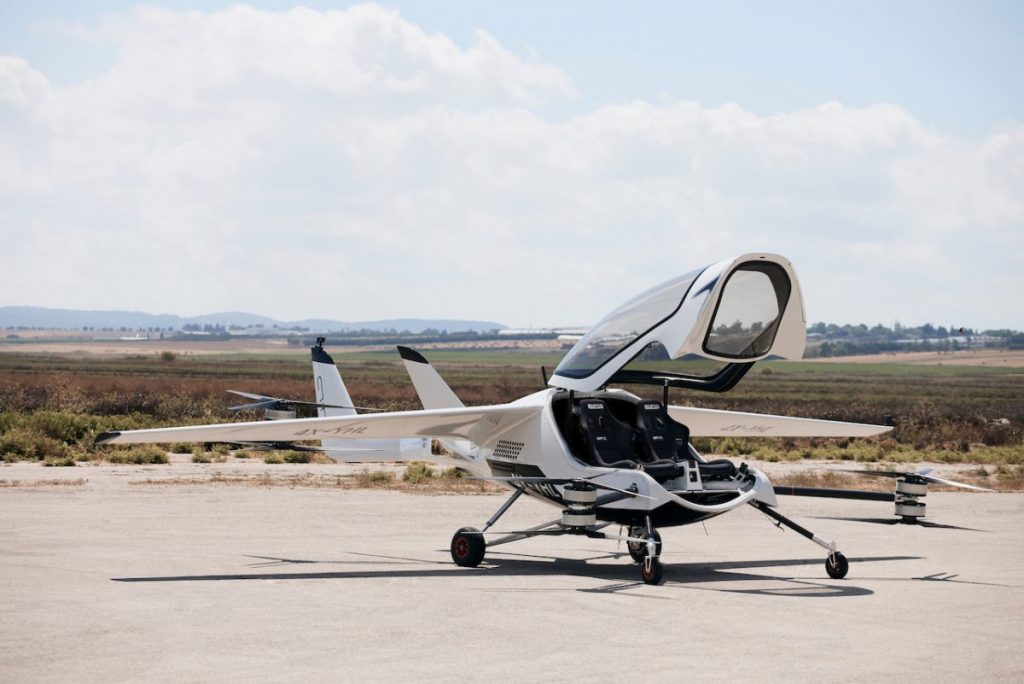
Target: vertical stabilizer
(328,384)
(434,392)
(331,390)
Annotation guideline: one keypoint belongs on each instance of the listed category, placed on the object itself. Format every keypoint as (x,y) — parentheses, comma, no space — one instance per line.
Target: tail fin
(328,384)
(434,393)
(330,389)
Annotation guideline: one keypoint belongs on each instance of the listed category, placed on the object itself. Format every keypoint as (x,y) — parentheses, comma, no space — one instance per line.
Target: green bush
(141,455)
(298,457)
(201,457)
(272,458)
(453,474)
(374,478)
(62,426)
(182,448)
(418,472)
(65,461)
(23,444)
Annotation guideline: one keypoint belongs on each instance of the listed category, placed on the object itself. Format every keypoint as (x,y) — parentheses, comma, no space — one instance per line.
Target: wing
(477,424)
(716,423)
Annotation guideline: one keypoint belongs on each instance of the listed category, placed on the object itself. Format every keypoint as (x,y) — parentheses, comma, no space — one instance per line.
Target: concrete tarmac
(111,580)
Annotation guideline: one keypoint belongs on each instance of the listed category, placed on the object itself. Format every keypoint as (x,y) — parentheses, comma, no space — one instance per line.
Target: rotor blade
(250,395)
(257,405)
(928,523)
(897,521)
(299,402)
(270,401)
(878,521)
(921,473)
(951,483)
(873,473)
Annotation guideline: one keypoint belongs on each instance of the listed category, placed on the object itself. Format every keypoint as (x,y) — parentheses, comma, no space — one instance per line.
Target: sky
(528,163)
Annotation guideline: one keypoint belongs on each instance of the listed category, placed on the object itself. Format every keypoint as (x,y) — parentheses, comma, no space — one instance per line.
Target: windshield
(625,325)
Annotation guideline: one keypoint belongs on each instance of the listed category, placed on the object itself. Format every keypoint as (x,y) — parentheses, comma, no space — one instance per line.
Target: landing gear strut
(651,570)
(469,547)
(836,564)
(638,549)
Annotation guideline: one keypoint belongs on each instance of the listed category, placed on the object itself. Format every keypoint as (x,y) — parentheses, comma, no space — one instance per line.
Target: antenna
(544,374)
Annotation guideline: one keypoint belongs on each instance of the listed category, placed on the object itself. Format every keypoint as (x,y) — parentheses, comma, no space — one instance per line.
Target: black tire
(653,572)
(837,566)
(468,547)
(638,550)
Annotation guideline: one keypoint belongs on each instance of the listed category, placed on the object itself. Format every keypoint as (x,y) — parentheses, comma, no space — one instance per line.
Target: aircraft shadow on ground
(694,575)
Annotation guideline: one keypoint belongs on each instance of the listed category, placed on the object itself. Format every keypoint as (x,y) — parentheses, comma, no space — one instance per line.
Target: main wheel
(638,550)
(468,547)
(836,565)
(652,571)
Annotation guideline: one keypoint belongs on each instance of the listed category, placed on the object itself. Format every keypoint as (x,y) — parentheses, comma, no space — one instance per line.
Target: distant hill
(70,319)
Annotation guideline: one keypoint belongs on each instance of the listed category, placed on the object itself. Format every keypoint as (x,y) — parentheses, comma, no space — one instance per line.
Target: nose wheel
(637,549)
(647,552)
(652,571)
(836,565)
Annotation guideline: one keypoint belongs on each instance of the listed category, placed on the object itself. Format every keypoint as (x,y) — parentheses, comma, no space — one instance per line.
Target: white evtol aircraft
(603,455)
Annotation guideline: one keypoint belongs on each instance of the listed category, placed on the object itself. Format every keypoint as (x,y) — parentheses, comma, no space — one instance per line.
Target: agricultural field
(53,405)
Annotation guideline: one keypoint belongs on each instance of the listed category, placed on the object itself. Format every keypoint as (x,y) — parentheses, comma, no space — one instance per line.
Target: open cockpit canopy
(737,311)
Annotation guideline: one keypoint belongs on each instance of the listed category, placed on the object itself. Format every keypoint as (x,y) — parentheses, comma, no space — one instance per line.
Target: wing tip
(107,437)
(409,354)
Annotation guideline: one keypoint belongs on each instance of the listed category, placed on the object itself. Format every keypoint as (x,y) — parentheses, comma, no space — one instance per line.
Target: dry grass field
(52,405)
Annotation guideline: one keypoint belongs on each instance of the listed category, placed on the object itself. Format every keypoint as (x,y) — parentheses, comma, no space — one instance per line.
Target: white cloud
(352,165)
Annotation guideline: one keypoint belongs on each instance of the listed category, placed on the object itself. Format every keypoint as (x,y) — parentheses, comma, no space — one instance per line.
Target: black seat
(662,439)
(607,441)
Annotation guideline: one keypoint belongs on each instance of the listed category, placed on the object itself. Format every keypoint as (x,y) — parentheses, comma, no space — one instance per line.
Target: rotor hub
(580,497)
(909,492)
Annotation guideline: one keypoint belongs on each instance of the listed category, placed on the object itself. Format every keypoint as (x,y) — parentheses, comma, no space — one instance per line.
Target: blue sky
(574,147)
(955,65)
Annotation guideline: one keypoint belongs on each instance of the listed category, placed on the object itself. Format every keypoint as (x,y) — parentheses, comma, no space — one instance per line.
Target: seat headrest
(593,406)
(650,406)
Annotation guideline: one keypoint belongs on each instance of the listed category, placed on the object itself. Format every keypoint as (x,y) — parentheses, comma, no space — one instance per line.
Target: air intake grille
(508,450)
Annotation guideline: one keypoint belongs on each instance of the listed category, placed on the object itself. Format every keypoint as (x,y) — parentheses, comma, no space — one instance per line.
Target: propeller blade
(258,405)
(874,473)
(267,402)
(897,521)
(877,521)
(951,483)
(920,473)
(250,395)
(299,402)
